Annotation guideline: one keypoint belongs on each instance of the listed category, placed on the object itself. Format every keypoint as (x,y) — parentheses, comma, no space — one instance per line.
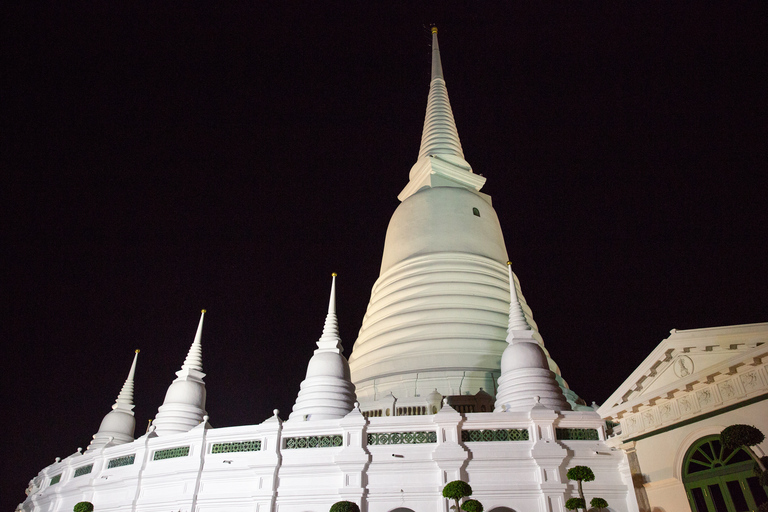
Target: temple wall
(513,460)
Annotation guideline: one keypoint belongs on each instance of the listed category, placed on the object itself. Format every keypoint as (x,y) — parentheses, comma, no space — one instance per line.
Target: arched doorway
(717,479)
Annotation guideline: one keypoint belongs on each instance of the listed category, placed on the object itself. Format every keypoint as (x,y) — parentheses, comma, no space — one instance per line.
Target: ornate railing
(83,470)
(171,453)
(576,434)
(312,442)
(485,436)
(237,446)
(121,461)
(402,438)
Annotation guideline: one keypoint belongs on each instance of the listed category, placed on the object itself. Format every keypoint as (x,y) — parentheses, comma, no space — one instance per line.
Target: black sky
(161,160)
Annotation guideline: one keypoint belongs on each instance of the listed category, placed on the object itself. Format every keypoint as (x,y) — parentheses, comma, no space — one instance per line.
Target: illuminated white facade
(448,380)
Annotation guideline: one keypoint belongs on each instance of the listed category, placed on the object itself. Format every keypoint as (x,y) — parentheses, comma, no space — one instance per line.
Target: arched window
(717,479)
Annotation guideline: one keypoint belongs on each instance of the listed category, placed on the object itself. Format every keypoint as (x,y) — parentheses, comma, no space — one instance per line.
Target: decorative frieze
(121,461)
(313,442)
(237,446)
(171,453)
(402,438)
(83,470)
(484,436)
(577,434)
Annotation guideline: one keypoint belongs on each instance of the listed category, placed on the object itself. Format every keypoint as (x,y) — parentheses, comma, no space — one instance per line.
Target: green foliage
(581,473)
(456,490)
(345,506)
(736,436)
(598,503)
(472,506)
(764,478)
(574,503)
(763,507)
(84,506)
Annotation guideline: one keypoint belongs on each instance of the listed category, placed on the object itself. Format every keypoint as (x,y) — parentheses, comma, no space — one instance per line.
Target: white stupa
(118,425)
(327,391)
(437,317)
(526,379)
(184,404)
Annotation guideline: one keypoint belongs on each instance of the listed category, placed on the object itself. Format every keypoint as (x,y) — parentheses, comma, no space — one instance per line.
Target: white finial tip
(275,412)
(205,418)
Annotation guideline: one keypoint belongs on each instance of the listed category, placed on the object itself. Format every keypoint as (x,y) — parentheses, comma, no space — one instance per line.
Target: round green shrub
(583,473)
(574,503)
(84,506)
(741,435)
(472,506)
(345,506)
(456,490)
(598,503)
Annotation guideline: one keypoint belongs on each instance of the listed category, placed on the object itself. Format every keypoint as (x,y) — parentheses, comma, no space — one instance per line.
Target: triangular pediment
(685,359)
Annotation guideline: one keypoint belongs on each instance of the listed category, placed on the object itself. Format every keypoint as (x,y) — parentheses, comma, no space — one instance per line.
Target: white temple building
(448,380)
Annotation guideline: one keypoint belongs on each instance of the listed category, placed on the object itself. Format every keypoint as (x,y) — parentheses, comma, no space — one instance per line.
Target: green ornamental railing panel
(121,461)
(402,438)
(485,436)
(576,434)
(56,479)
(313,442)
(171,453)
(238,446)
(83,470)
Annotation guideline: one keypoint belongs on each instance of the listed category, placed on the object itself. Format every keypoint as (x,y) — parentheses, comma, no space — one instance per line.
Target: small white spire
(194,359)
(327,391)
(517,320)
(125,398)
(330,339)
(440,136)
(118,425)
(184,404)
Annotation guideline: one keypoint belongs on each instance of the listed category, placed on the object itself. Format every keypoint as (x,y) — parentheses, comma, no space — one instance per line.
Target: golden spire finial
(334,274)
(137,351)
(509,263)
(202,311)
(434,30)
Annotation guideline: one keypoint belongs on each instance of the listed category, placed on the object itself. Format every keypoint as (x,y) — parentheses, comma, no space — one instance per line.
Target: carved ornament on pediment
(683,366)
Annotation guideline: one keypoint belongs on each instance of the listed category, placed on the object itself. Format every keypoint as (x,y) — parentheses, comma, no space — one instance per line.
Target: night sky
(161,160)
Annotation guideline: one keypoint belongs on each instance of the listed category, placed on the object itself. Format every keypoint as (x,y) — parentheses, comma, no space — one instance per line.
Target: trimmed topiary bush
(583,474)
(456,490)
(472,506)
(345,506)
(84,506)
(575,503)
(743,436)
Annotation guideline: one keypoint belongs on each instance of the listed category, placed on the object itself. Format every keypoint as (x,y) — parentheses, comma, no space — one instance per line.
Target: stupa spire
(327,391)
(184,404)
(525,379)
(441,160)
(440,136)
(118,425)
(330,339)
